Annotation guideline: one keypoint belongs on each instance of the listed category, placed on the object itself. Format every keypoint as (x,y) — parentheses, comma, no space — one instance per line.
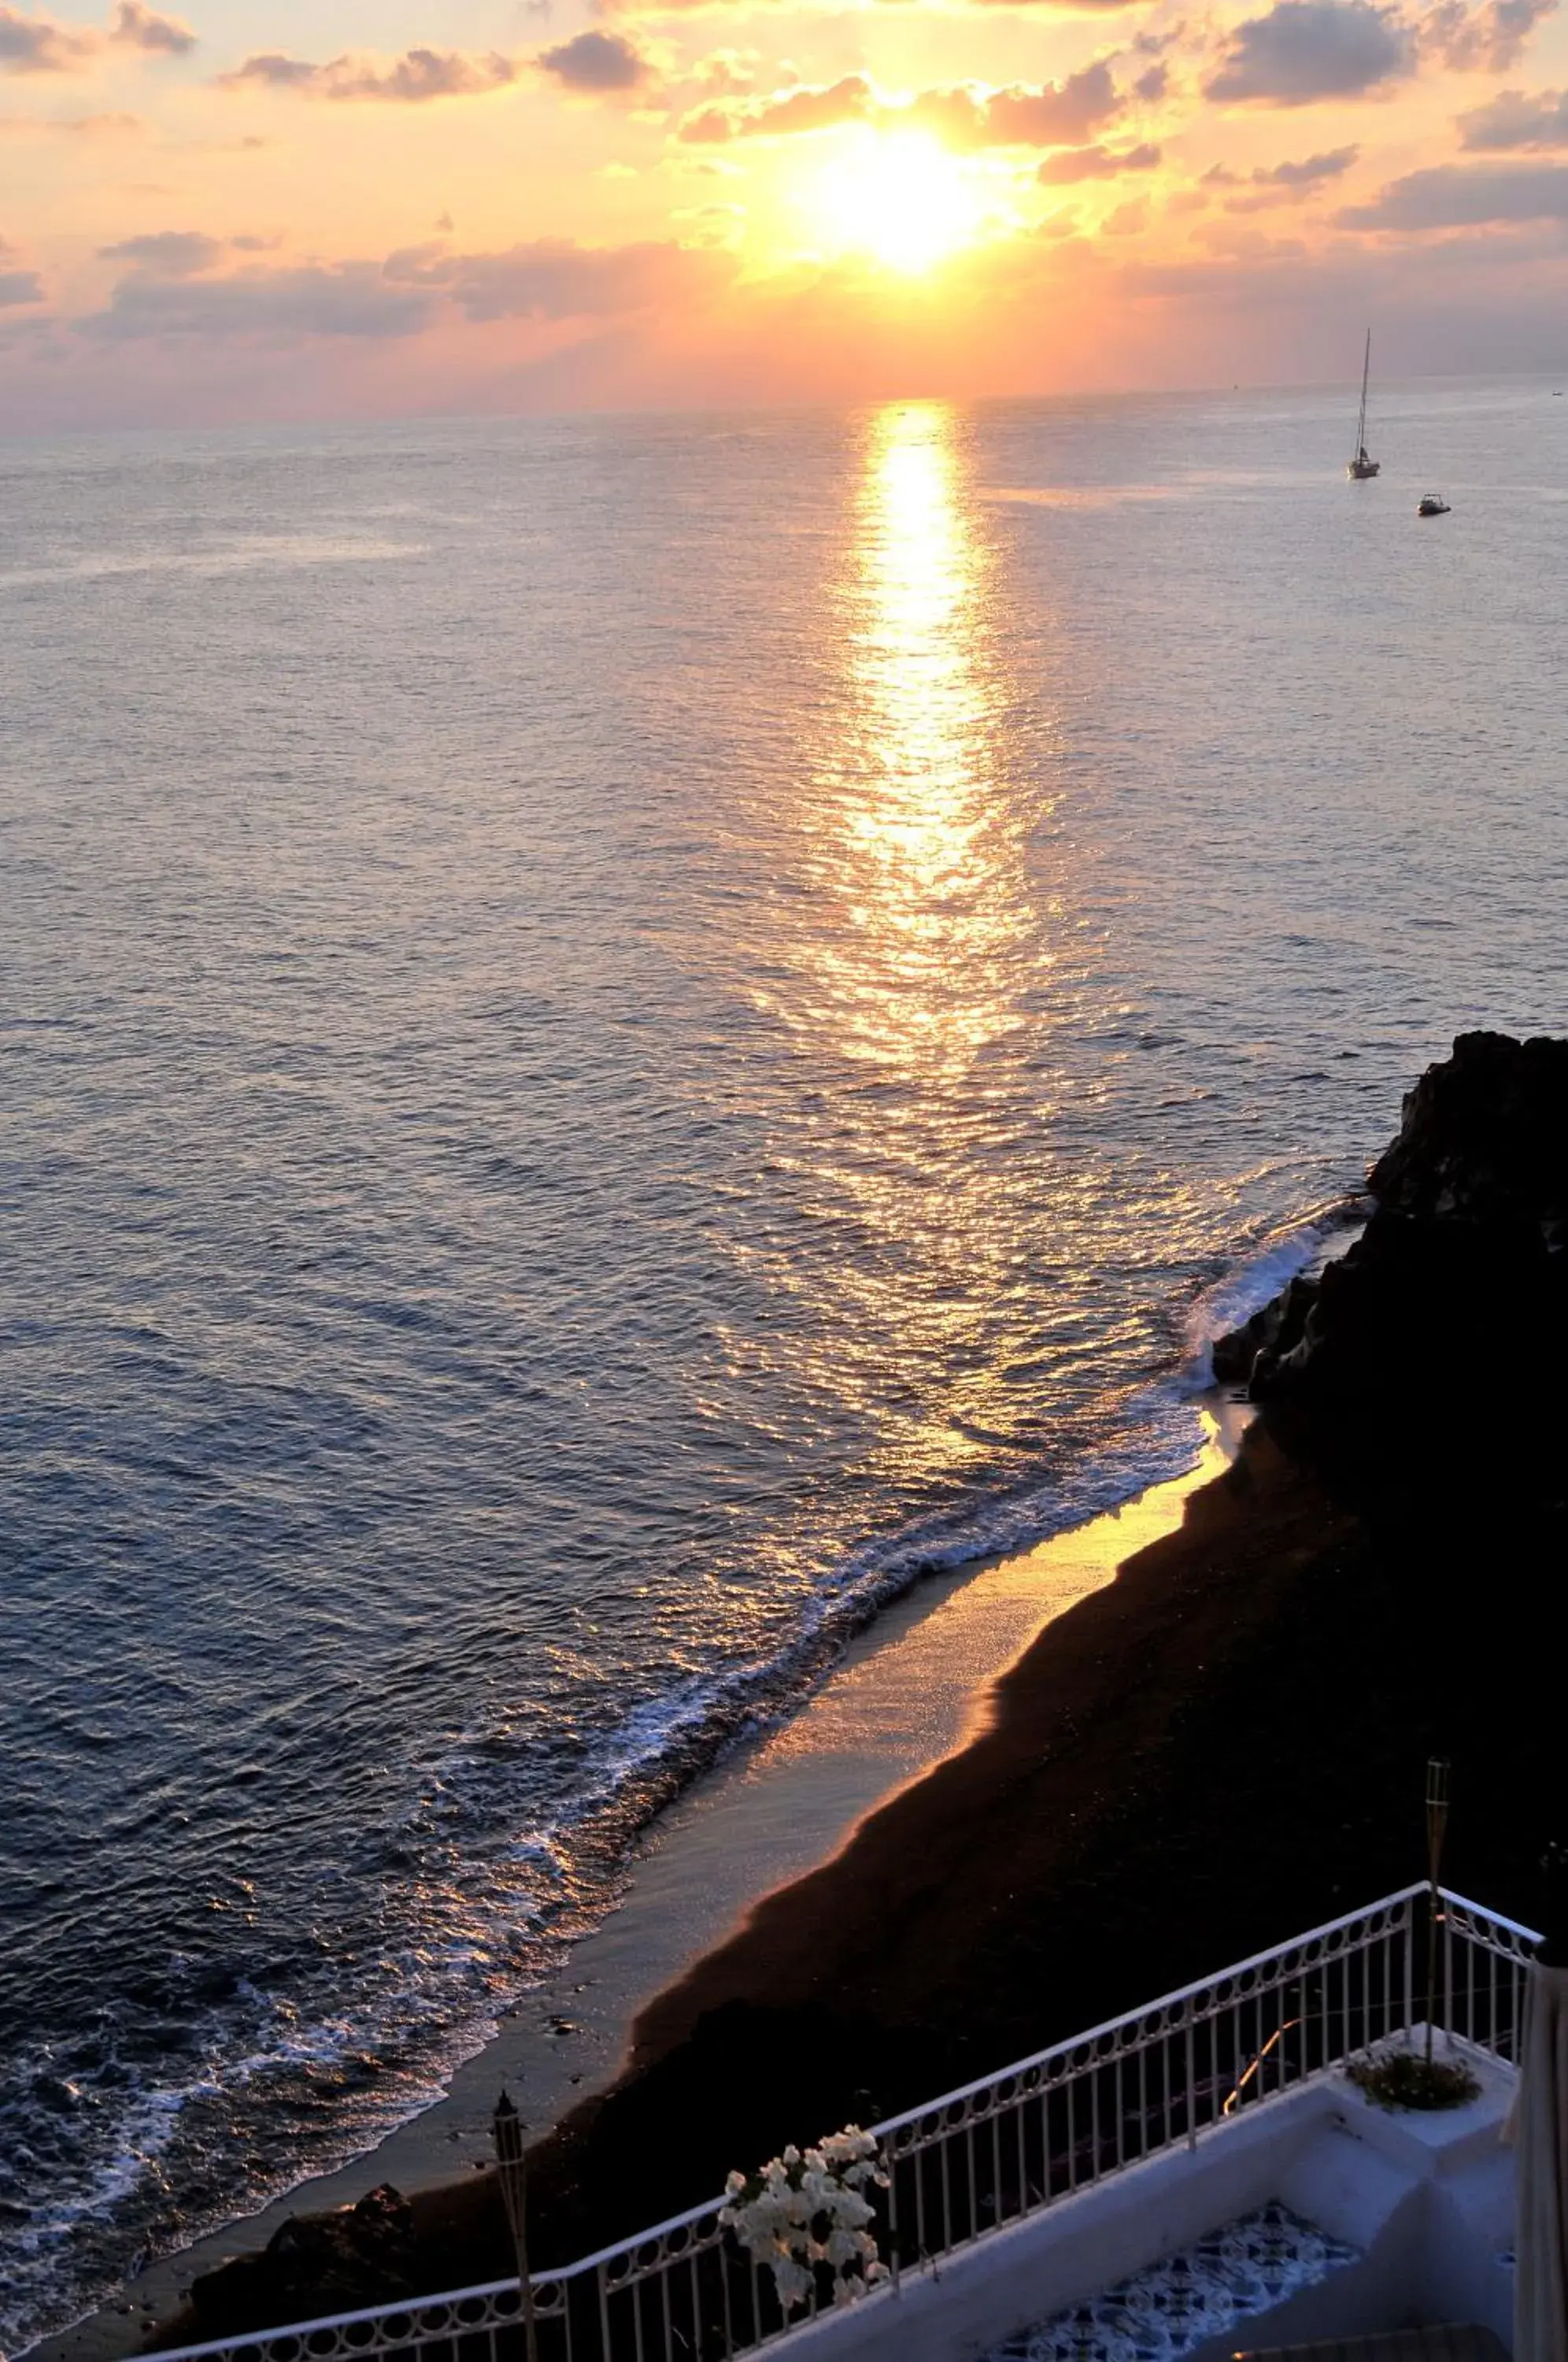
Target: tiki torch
(512,2168)
(1436,1827)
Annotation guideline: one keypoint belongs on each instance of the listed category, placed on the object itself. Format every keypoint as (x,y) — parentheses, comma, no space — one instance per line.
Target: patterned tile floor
(1240,2270)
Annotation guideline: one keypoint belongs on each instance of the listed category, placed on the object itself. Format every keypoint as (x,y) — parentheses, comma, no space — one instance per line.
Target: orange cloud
(140,27)
(601,65)
(1517,119)
(416,77)
(30,45)
(1054,114)
(1071,164)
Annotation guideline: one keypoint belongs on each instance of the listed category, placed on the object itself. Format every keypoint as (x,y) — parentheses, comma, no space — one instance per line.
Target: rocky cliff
(1441,1327)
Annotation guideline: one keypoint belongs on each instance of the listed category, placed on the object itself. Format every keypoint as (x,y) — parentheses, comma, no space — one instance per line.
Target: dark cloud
(1481,40)
(1153,84)
(1463,196)
(167,253)
(555,278)
(1307,49)
(597,61)
(1096,164)
(1517,118)
(344,299)
(416,76)
(141,28)
(34,45)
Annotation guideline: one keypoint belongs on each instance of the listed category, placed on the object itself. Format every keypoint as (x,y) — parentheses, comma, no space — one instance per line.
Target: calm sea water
(619,1034)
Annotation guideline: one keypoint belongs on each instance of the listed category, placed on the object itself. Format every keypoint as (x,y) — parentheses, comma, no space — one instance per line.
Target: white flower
(776,2212)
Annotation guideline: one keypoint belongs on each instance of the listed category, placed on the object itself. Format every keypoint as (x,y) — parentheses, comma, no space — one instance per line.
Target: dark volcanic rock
(314,2263)
(1485,1138)
(1274,1330)
(1459,1281)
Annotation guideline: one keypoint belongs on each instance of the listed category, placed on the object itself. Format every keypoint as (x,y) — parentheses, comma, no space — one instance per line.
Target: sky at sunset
(277,209)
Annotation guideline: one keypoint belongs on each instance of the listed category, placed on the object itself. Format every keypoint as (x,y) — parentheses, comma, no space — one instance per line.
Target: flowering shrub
(808,2208)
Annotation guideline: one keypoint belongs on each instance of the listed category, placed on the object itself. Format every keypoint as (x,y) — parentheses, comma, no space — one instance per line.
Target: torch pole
(1436,1827)
(512,2164)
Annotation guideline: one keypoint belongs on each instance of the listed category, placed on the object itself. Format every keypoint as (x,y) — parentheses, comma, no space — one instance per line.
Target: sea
(622,1035)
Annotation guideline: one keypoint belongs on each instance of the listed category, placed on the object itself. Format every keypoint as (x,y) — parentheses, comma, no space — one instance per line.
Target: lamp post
(512,2166)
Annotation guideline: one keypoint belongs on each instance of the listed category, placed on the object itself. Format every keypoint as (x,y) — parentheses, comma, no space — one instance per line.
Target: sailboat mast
(1361,422)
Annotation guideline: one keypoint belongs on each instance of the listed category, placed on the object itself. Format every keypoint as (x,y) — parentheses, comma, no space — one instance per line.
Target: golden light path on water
(921,930)
(928,866)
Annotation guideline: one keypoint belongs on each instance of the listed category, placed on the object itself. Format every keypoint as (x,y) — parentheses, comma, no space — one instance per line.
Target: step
(1231,2276)
(1452,2342)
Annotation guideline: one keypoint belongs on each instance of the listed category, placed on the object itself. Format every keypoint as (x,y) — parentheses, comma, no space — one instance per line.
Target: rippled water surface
(618,1035)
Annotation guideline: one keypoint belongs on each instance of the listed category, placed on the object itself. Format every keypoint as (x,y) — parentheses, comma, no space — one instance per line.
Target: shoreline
(914,1689)
(1221,1747)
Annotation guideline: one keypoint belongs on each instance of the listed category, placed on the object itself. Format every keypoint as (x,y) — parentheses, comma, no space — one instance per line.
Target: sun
(898,196)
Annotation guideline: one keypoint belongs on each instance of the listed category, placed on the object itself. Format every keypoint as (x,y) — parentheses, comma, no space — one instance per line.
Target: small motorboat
(1432,504)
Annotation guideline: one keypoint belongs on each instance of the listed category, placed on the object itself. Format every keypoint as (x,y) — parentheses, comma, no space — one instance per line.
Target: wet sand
(919,1684)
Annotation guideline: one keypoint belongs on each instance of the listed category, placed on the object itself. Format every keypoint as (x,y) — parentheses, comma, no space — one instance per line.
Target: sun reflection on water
(925,856)
(911,952)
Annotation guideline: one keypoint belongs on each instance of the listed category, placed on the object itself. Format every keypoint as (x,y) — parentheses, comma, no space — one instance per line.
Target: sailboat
(1361,467)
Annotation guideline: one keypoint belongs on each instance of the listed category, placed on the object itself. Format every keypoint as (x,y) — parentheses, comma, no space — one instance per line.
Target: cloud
(1057,112)
(36,45)
(167,253)
(555,278)
(1455,196)
(1517,118)
(728,74)
(272,71)
(598,62)
(344,299)
(1481,40)
(416,76)
(1153,84)
(1279,184)
(39,45)
(1096,164)
(1307,172)
(17,286)
(784,115)
(141,28)
(1056,115)
(1307,49)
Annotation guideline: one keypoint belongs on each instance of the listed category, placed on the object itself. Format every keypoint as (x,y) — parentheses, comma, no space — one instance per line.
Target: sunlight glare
(898,196)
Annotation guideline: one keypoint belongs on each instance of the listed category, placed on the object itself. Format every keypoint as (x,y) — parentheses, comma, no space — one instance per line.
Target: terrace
(1195,2179)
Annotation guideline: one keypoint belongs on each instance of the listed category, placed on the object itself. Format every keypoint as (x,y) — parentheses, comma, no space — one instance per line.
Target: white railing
(975,2160)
